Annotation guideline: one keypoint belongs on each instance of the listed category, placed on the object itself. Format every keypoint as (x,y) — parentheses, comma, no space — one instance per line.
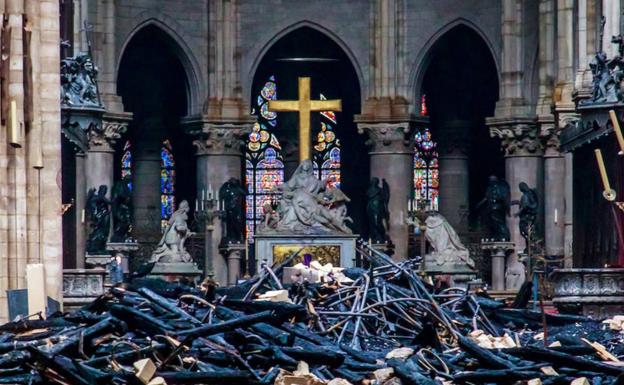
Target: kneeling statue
(448,250)
(171,246)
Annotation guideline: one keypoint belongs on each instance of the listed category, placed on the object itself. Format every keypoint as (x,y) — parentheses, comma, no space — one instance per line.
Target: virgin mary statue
(447,247)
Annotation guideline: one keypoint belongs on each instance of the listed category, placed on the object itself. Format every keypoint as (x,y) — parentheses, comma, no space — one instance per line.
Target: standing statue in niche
(497,201)
(79,82)
(527,211)
(122,211)
(377,210)
(232,194)
(98,216)
(171,246)
(308,206)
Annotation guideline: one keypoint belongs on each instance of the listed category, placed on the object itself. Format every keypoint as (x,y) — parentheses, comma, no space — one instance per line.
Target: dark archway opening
(154,87)
(308,52)
(461,85)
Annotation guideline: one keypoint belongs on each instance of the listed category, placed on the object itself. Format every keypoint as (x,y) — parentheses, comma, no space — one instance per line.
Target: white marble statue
(171,246)
(448,250)
(307,206)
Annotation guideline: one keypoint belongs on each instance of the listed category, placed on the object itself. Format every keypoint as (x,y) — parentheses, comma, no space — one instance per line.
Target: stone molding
(221,139)
(519,136)
(390,137)
(107,133)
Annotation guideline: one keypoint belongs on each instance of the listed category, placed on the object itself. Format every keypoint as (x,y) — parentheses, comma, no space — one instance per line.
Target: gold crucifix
(304,106)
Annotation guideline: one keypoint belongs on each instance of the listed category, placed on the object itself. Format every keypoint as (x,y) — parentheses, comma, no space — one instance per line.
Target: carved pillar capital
(396,137)
(104,136)
(519,136)
(218,138)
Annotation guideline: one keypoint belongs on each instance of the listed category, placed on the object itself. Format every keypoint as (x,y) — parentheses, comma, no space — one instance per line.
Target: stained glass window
(426,178)
(264,167)
(126,163)
(167,183)
(327,155)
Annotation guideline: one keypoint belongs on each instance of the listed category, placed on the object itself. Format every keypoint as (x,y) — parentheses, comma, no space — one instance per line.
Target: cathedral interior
(473,145)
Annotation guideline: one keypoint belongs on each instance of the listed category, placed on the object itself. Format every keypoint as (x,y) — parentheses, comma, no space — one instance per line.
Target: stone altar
(309,215)
(272,248)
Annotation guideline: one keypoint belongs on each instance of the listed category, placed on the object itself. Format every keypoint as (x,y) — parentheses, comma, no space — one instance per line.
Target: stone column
(391,158)
(220,151)
(523,163)
(80,202)
(554,194)
(453,171)
(146,160)
(101,155)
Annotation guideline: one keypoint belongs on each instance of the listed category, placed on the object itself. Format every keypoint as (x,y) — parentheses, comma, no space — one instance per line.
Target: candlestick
(556,212)
(617,129)
(608,193)
(14,132)
(246,250)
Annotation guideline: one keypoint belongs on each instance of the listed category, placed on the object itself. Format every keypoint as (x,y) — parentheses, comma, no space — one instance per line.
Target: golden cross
(304,106)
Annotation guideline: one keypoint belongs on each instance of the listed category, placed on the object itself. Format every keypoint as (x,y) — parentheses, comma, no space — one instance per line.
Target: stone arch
(177,43)
(325,31)
(423,59)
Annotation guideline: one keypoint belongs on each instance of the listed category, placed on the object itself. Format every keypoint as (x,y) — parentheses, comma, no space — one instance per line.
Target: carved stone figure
(496,202)
(607,74)
(377,211)
(79,82)
(122,211)
(232,194)
(515,274)
(98,217)
(270,218)
(527,210)
(308,207)
(171,246)
(448,250)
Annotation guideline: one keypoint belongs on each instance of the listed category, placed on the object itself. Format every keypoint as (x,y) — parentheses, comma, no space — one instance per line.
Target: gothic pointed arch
(338,152)
(171,35)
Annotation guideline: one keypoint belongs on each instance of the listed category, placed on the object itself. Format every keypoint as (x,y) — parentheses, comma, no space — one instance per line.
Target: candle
(196,205)
(618,131)
(203,195)
(209,191)
(246,250)
(14,134)
(603,170)
(556,212)
(409,205)
(82,216)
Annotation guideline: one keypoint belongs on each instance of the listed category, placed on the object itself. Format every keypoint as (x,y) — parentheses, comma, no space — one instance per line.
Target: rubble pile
(383,325)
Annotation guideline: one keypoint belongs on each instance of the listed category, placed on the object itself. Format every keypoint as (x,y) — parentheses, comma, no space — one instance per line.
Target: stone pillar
(523,163)
(453,171)
(80,203)
(99,162)
(554,194)
(220,151)
(146,226)
(391,157)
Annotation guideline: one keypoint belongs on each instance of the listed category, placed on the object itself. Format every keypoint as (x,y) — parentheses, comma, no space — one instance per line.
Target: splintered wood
(383,325)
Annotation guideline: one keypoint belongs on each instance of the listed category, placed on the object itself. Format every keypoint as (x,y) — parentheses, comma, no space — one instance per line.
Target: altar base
(592,292)
(337,249)
(174,271)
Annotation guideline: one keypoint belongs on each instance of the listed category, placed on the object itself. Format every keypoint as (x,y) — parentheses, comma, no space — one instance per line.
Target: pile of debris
(384,325)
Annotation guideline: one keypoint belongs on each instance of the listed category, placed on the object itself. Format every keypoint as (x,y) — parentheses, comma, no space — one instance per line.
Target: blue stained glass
(426,178)
(167,183)
(263,166)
